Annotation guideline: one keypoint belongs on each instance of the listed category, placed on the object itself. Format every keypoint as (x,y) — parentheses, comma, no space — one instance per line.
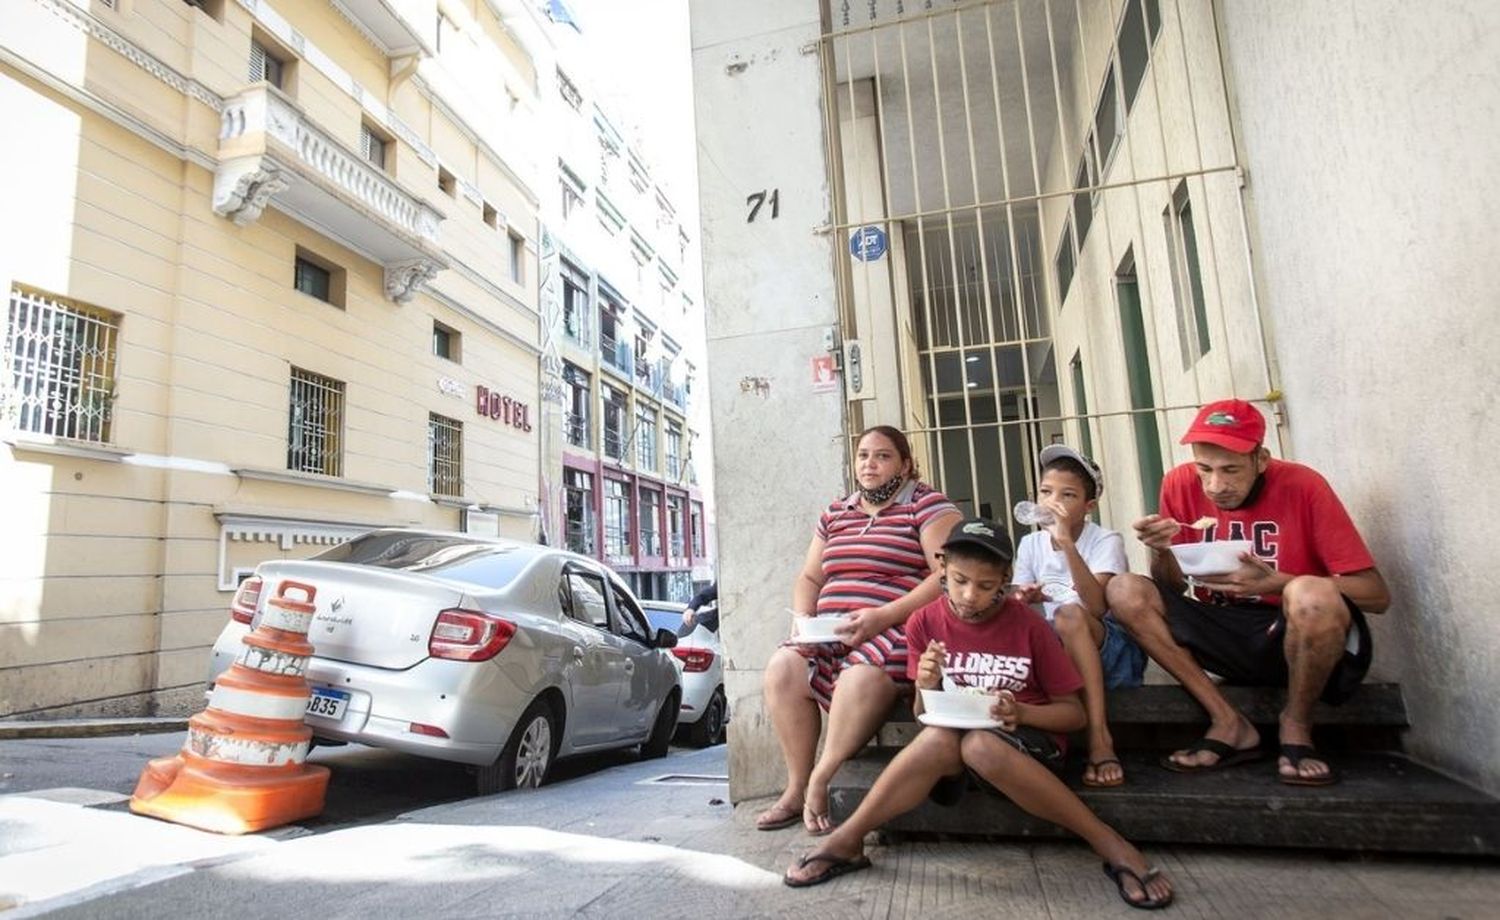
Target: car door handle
(630,667)
(578,654)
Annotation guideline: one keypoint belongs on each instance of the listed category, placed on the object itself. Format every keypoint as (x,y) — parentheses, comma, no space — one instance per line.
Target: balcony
(617,355)
(401,27)
(271,153)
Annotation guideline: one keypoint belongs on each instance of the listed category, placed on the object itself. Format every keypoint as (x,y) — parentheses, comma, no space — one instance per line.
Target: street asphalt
(654,838)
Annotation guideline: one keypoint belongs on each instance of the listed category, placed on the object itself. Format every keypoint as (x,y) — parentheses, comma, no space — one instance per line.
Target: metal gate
(1042,236)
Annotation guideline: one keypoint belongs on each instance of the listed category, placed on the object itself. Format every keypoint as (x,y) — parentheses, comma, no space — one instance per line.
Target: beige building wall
(120,557)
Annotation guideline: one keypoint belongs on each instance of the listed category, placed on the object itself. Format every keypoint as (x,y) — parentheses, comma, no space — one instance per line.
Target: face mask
(882,493)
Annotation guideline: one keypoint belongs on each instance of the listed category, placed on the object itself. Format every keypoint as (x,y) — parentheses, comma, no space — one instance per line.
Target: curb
(90,728)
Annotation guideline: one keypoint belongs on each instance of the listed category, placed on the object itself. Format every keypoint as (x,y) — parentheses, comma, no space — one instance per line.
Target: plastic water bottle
(1032,514)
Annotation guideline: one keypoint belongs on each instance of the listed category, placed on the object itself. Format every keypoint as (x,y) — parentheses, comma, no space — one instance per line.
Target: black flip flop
(793,817)
(1228,756)
(1295,754)
(1118,873)
(837,866)
(1096,764)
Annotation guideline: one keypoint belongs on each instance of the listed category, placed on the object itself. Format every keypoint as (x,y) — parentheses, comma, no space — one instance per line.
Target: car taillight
(242,608)
(468,635)
(694,659)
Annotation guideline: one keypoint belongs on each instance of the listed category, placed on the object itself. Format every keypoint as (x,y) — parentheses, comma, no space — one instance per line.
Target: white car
(705,708)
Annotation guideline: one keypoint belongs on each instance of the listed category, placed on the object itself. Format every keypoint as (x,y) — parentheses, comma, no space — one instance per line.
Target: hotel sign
(502,408)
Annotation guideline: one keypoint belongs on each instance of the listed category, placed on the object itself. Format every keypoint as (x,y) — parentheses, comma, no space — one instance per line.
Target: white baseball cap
(1062,451)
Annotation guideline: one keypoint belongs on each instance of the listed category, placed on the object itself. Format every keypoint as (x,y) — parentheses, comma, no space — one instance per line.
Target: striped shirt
(873,560)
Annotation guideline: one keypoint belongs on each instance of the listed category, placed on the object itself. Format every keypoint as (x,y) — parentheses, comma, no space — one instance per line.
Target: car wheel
(527,756)
(709,729)
(661,732)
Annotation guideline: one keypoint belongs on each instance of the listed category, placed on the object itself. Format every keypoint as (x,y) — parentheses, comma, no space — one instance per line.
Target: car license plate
(327,704)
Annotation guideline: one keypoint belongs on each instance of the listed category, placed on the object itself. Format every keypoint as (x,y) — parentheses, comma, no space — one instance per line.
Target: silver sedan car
(488,652)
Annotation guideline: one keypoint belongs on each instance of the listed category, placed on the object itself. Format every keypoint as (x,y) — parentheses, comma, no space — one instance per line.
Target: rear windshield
(453,557)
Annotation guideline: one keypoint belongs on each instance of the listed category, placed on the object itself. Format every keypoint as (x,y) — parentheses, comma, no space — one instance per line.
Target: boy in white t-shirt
(1064,566)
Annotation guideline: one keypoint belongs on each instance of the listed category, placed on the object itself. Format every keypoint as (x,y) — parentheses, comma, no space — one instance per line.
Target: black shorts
(1040,745)
(1242,643)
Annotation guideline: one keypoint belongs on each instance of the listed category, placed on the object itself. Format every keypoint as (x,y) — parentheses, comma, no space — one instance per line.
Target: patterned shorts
(886,651)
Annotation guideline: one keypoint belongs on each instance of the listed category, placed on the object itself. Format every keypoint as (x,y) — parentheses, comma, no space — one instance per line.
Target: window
(266,65)
(575,303)
(491,216)
(1083,200)
(445,455)
(1081,404)
(676,545)
(373,146)
(586,591)
(571,200)
(616,519)
(315,430)
(697,530)
(517,258)
(214,8)
(674,451)
(614,421)
(578,492)
(577,421)
(60,358)
(616,354)
(1064,262)
(1108,124)
(1134,50)
(445,341)
(650,531)
(569,92)
(645,437)
(447,182)
(317,277)
(630,622)
(1187,278)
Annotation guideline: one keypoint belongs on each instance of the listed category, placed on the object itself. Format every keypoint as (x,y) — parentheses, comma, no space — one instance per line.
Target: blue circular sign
(868,243)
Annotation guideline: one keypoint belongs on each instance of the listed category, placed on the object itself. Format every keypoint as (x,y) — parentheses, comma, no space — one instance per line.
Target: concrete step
(1384,802)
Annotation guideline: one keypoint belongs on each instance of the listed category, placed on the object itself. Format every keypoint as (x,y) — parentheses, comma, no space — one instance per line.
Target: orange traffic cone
(241,767)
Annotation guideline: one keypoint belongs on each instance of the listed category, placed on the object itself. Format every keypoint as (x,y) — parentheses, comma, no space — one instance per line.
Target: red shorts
(886,651)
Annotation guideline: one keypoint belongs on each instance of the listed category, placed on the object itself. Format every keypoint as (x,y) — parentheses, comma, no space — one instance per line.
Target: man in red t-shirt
(1291,614)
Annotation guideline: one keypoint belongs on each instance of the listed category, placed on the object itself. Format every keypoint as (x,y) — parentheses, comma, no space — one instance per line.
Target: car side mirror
(665,638)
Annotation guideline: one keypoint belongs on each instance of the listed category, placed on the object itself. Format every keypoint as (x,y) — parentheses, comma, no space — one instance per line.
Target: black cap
(983,533)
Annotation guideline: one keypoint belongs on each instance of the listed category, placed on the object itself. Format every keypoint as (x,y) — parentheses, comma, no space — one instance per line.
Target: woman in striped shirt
(872,561)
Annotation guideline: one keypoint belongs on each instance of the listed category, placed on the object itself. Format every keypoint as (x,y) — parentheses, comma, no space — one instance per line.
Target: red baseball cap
(1232,424)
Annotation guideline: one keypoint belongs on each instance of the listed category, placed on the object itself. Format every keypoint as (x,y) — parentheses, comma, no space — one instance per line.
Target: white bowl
(817,629)
(1217,558)
(958,705)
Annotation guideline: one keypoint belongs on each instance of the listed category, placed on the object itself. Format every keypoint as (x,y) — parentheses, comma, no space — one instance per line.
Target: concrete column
(777,442)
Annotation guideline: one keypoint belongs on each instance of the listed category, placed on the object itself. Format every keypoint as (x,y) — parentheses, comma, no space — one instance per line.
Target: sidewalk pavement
(658,839)
(16,729)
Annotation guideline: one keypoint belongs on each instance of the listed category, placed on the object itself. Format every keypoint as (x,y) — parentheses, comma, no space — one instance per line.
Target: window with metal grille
(575,298)
(578,488)
(445,455)
(650,531)
(616,519)
(315,428)
(61,361)
(697,529)
(264,65)
(372,146)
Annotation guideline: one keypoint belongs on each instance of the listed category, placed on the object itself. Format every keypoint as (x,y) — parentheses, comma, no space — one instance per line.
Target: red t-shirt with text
(1296,522)
(1014,650)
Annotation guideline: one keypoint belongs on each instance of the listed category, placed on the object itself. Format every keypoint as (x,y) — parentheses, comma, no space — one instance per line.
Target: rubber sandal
(1095,765)
(837,866)
(1228,756)
(1118,873)
(1295,754)
(786,816)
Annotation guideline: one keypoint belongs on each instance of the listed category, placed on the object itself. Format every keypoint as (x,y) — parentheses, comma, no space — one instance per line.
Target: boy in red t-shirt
(1292,615)
(975,636)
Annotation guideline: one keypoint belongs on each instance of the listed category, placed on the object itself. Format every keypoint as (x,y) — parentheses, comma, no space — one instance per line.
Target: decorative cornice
(87,24)
(489,325)
(360,27)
